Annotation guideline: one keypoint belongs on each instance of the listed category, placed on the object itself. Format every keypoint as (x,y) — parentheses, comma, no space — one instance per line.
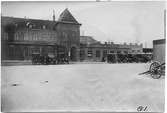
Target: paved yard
(101,87)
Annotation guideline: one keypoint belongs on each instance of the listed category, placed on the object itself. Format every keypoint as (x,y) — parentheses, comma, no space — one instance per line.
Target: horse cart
(157,67)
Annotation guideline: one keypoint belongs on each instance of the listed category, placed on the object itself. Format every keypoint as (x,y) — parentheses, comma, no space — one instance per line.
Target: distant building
(148,50)
(135,48)
(159,50)
(95,51)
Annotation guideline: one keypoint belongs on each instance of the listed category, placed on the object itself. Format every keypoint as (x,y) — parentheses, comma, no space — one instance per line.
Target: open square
(86,87)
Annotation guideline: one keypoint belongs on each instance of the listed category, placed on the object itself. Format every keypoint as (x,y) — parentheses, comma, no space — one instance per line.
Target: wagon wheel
(155,70)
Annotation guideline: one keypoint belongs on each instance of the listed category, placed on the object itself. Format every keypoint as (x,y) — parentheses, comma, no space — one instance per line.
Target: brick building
(92,50)
(159,50)
(23,37)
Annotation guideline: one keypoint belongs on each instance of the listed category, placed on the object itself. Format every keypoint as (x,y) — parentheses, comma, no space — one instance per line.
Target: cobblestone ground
(92,87)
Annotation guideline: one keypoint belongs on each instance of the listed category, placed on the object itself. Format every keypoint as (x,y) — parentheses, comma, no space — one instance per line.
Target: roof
(66,16)
(87,40)
(159,41)
(25,21)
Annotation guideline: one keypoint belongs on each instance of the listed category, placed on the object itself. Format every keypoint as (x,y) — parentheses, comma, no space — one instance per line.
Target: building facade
(96,51)
(23,37)
(159,50)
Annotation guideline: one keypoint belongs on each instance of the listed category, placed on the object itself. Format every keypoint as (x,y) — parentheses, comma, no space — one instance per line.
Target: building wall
(69,36)
(23,42)
(99,53)
(35,35)
(91,54)
(159,50)
(20,41)
(135,48)
(21,38)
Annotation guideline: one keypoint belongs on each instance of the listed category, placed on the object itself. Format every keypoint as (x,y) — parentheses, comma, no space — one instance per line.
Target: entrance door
(73,55)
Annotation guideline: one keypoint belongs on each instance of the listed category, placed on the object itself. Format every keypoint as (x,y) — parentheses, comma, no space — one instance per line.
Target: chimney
(165,23)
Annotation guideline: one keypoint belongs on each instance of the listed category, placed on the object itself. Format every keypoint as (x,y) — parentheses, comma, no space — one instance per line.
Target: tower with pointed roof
(69,33)
(66,16)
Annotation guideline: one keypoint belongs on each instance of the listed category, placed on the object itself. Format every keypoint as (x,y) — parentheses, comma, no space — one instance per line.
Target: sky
(130,22)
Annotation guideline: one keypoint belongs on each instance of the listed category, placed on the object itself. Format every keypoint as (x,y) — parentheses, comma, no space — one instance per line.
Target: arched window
(15,36)
(22,36)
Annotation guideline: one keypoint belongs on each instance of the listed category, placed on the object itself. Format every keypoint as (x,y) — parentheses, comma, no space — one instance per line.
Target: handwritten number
(141,108)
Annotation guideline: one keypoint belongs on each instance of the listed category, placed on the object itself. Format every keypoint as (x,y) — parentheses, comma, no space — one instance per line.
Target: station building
(96,51)
(22,37)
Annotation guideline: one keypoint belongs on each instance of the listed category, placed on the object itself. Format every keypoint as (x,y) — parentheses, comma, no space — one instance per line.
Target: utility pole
(165,23)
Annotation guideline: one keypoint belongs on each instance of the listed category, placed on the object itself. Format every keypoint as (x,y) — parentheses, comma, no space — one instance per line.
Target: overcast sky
(119,22)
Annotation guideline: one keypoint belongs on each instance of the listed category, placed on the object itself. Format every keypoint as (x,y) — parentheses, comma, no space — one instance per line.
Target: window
(34,36)
(11,50)
(111,51)
(104,53)
(5,36)
(82,53)
(118,52)
(25,36)
(35,50)
(50,49)
(125,52)
(133,51)
(15,36)
(98,53)
(73,34)
(26,51)
(22,35)
(43,27)
(30,26)
(19,36)
(90,53)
